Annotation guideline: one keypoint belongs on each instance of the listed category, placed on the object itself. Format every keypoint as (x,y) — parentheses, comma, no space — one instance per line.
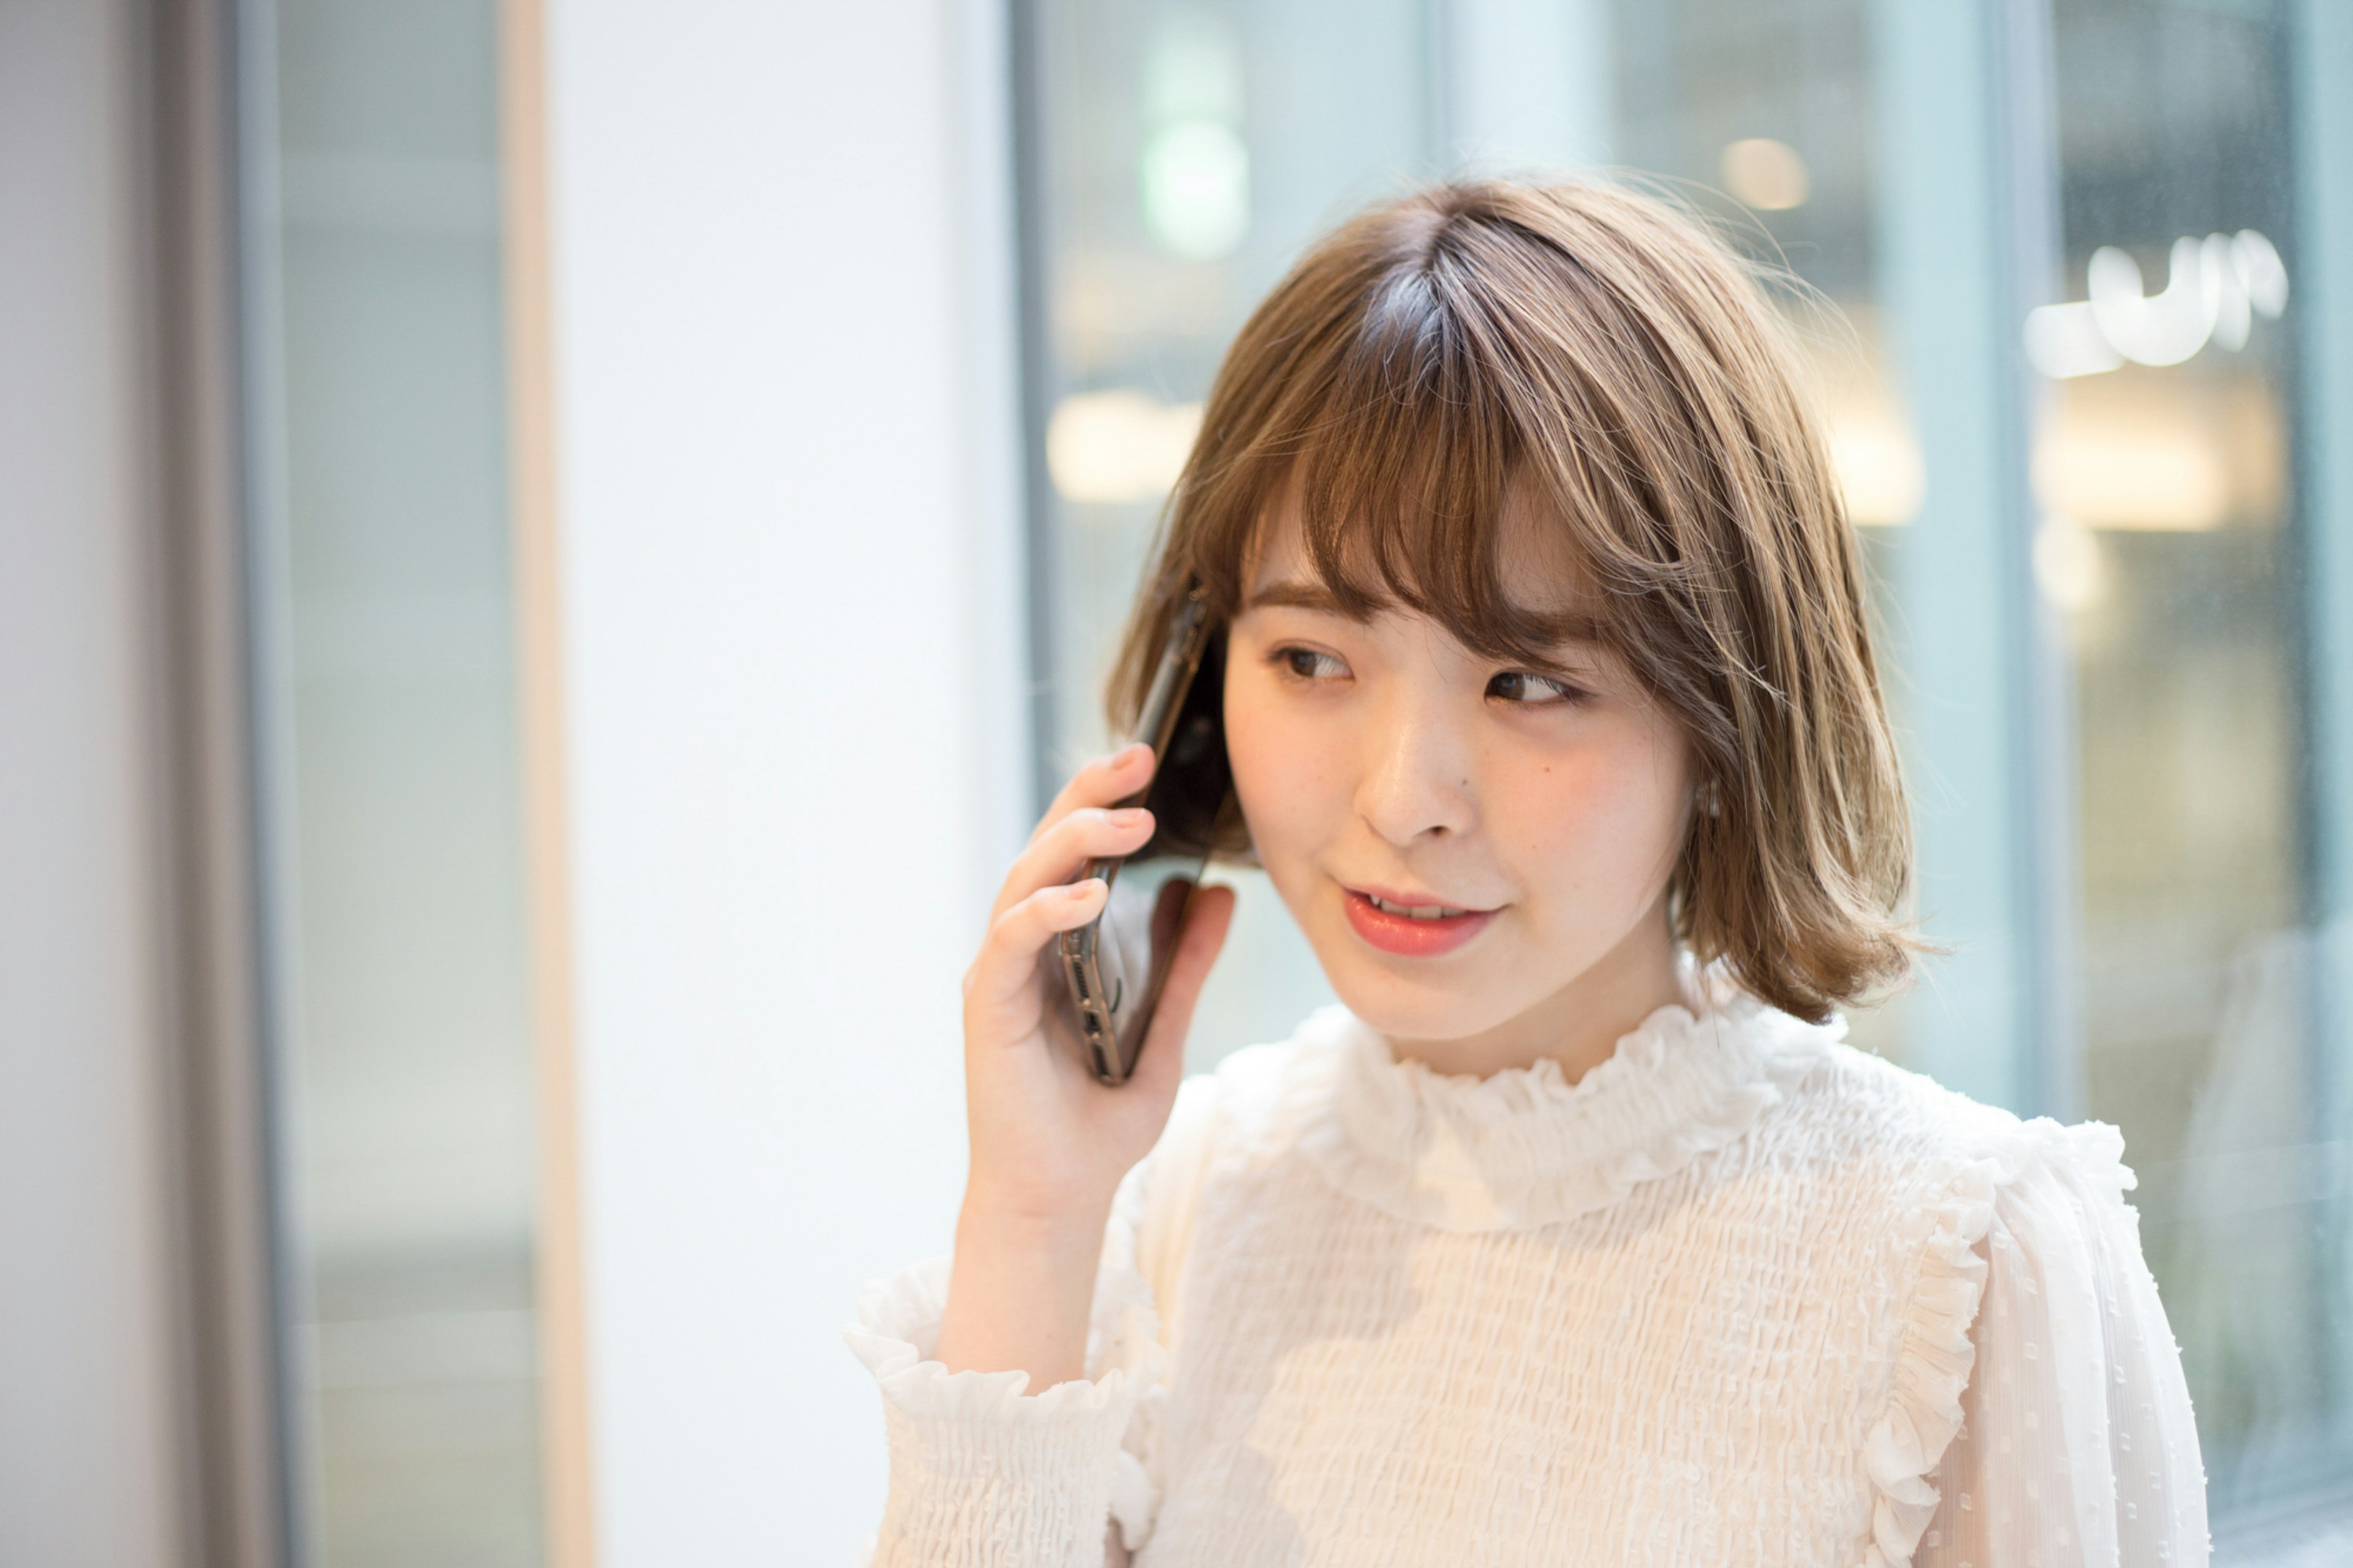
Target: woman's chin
(1405,1006)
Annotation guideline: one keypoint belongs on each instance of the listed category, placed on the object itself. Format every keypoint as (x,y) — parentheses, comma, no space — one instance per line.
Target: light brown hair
(1599,346)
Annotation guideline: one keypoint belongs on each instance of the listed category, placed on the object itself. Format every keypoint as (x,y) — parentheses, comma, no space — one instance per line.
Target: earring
(1709,799)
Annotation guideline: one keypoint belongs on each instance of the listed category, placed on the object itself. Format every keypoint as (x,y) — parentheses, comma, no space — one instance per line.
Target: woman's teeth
(1417,911)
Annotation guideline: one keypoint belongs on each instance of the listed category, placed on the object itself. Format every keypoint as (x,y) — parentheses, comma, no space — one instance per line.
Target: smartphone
(1115,967)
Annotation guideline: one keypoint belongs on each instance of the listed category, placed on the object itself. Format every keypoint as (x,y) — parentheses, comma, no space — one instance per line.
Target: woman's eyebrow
(1576,630)
(1293,594)
(1572,631)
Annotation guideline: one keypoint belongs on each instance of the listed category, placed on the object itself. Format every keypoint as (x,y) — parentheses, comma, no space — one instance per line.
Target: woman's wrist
(1021,1289)
(1035,1216)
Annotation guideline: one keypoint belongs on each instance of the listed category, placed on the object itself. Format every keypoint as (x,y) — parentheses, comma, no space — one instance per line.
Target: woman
(1575,1234)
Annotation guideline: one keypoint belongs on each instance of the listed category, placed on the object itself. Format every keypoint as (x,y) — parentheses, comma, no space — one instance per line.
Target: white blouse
(1740,1294)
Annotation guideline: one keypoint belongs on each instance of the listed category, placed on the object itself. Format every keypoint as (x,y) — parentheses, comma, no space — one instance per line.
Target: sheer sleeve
(986,1474)
(2077,1445)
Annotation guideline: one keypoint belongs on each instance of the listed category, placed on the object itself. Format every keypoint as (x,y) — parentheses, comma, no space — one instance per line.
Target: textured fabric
(2078,1446)
(1715,1302)
(983,1475)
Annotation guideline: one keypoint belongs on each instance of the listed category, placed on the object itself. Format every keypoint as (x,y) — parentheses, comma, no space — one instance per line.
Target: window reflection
(2202,1040)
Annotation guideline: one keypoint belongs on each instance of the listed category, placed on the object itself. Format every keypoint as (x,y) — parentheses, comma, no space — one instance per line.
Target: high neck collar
(1525,1147)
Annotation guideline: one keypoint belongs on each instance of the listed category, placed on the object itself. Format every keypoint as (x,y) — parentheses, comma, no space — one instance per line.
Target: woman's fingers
(1086,822)
(1058,852)
(1001,978)
(1206,920)
(1000,989)
(1107,781)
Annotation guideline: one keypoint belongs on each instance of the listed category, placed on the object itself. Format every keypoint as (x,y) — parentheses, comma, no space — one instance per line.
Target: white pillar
(798,748)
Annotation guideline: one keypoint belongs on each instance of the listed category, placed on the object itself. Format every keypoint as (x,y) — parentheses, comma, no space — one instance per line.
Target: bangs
(1435,464)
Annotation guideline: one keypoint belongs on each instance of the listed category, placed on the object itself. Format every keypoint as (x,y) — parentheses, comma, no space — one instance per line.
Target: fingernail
(1129,753)
(1084,887)
(1129,817)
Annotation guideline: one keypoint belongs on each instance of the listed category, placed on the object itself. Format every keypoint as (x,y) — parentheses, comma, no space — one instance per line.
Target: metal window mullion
(1966,231)
(227,1326)
(269,660)
(1033,262)
(2321,51)
(2033,243)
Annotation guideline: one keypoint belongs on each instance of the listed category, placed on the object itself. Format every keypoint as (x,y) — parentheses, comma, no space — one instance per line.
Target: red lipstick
(1394,930)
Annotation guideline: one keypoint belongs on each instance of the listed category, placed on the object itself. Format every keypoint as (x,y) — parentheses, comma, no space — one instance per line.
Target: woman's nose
(1417,778)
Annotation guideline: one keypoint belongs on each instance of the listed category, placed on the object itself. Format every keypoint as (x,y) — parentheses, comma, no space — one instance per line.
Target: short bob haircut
(1612,355)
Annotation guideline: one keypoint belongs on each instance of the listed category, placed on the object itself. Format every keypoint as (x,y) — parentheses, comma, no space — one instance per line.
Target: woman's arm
(1060,1464)
(2078,1444)
(1049,1144)
(985,1472)
(1010,1376)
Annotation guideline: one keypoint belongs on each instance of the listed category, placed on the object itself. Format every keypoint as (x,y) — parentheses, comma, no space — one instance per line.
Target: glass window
(391,816)
(1183,155)
(2056,262)
(2172,541)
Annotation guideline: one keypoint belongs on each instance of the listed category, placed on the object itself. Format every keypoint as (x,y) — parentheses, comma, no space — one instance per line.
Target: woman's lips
(1408,937)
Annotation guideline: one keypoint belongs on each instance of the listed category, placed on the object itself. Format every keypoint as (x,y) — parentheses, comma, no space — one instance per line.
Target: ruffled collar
(1525,1147)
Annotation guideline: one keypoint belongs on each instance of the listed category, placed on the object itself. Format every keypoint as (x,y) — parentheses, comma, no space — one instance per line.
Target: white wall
(785,398)
(87,1413)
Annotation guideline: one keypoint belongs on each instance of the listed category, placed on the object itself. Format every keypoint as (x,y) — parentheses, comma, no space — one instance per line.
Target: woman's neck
(1579,1025)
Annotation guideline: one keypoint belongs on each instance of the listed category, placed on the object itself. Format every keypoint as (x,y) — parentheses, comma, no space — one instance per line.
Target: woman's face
(1384,768)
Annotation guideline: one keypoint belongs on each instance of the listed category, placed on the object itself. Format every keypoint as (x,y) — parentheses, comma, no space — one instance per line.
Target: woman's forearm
(1019,1292)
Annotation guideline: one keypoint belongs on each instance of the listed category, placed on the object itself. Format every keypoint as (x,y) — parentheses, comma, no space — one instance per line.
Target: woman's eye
(1519,686)
(1307,663)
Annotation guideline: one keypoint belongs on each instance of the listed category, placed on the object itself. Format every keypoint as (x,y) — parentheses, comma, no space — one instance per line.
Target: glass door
(391,814)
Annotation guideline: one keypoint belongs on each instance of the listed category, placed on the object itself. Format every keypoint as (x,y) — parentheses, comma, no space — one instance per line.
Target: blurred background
(551,549)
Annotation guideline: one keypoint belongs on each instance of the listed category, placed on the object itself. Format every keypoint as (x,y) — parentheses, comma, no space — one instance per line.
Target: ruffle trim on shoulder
(2094,1150)
(1934,1359)
(1526,1147)
(899,1325)
(1936,1354)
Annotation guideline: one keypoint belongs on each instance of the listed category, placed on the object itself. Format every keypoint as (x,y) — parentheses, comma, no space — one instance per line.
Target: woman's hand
(1049,1142)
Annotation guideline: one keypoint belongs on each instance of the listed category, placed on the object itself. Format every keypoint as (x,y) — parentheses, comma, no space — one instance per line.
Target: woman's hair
(1600,353)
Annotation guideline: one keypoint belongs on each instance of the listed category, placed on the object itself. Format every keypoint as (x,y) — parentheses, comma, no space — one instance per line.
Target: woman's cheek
(1600,830)
(1281,772)
(1244,726)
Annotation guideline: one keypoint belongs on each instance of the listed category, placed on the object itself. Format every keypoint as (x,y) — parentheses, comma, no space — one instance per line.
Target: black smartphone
(1115,967)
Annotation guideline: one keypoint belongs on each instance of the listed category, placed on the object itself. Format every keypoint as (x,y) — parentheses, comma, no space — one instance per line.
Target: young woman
(1575,1234)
